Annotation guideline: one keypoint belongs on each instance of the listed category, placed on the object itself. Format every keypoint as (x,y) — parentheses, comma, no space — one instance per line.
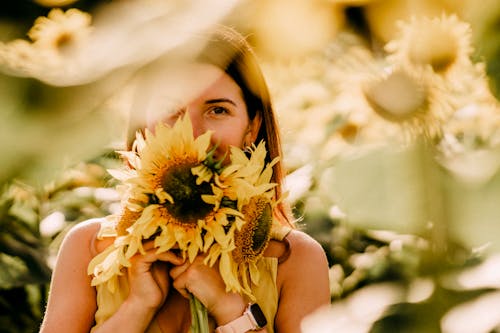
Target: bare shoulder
(70,286)
(306,256)
(304,247)
(76,251)
(81,237)
(83,231)
(302,279)
(85,228)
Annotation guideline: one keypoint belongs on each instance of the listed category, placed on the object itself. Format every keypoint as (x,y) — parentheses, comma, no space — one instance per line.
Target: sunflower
(176,195)
(60,31)
(53,40)
(246,183)
(161,164)
(442,43)
(414,101)
(390,105)
(238,261)
(252,239)
(247,176)
(163,196)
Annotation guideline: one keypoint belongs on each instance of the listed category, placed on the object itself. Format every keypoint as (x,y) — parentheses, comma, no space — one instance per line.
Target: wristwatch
(252,319)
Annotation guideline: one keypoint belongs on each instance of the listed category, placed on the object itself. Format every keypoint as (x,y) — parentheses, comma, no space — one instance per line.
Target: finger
(176,271)
(150,256)
(180,285)
(180,278)
(170,257)
(159,271)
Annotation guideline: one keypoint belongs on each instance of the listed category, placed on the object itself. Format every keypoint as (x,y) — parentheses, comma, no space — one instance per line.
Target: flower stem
(199,315)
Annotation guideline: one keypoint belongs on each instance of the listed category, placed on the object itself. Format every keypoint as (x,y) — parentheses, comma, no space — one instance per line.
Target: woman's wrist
(130,317)
(228,308)
(143,303)
(137,309)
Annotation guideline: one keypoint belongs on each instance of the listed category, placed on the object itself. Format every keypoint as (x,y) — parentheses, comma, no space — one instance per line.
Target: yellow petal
(202,143)
(227,272)
(203,173)
(192,251)
(238,156)
(164,241)
(208,241)
(213,254)
(163,196)
(254,273)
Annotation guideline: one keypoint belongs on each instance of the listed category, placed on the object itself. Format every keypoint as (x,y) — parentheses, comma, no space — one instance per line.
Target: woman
(236,107)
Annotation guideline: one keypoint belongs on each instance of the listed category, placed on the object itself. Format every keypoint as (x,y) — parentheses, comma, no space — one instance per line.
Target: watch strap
(242,324)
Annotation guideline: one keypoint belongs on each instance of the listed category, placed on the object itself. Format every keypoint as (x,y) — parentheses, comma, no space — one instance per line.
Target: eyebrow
(220,100)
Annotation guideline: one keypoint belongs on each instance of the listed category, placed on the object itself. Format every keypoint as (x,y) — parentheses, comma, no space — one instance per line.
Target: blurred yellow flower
(397,96)
(393,104)
(54,41)
(418,103)
(442,43)
(60,31)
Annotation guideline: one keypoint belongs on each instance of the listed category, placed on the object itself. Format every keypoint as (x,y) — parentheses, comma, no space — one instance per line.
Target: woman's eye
(219,110)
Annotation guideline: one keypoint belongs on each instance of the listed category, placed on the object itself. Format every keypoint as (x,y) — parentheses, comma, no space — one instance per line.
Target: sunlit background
(391,126)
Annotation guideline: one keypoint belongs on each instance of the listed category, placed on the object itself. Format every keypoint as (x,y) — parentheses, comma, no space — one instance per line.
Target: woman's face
(221,109)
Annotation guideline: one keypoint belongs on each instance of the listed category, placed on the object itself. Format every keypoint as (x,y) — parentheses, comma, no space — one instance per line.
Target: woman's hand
(206,284)
(148,276)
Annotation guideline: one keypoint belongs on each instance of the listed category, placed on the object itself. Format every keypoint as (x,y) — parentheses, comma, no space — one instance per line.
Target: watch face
(257,314)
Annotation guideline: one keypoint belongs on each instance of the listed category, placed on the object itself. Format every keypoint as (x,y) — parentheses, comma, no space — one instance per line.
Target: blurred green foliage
(30,236)
(24,272)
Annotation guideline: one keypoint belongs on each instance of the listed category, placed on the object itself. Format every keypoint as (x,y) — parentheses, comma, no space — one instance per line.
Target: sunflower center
(263,227)
(349,131)
(64,42)
(438,49)
(396,98)
(188,206)
(127,218)
(252,239)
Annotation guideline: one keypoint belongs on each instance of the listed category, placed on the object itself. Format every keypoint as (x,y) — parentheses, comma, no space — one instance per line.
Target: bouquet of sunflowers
(175,193)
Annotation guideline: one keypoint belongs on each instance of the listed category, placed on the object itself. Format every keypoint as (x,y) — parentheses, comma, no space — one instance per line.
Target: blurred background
(391,130)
